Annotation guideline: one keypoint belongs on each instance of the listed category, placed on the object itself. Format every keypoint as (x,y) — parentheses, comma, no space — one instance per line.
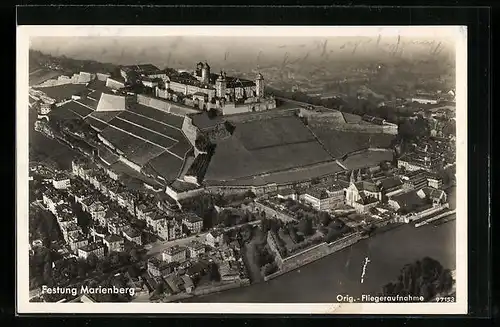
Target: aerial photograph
(240,169)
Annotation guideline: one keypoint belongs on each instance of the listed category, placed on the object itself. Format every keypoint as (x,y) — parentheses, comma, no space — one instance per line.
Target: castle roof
(233,82)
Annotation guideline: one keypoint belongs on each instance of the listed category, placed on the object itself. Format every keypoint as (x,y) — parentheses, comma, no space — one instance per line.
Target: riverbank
(340,273)
(315,253)
(207,290)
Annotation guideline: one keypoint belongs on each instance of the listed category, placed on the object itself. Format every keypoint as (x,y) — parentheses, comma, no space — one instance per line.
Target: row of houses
(106,220)
(361,192)
(180,253)
(106,182)
(174,277)
(157,213)
(180,267)
(58,205)
(72,233)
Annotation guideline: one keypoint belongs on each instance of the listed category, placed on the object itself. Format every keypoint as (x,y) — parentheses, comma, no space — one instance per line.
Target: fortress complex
(205,90)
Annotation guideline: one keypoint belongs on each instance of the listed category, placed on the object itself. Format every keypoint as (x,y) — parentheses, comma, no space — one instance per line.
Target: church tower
(205,73)
(360,176)
(259,86)
(220,86)
(352,179)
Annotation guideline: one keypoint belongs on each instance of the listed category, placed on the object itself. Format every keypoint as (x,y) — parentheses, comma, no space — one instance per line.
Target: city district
(188,183)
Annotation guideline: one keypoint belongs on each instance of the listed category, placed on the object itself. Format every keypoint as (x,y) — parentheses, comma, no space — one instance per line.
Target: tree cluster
(202,143)
(43,226)
(40,267)
(84,220)
(229,218)
(203,206)
(301,211)
(71,270)
(412,129)
(78,128)
(213,272)
(264,259)
(426,278)
(352,105)
(335,230)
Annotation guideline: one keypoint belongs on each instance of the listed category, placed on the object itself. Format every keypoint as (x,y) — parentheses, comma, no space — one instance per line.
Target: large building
(324,198)
(205,90)
(174,254)
(192,222)
(93,248)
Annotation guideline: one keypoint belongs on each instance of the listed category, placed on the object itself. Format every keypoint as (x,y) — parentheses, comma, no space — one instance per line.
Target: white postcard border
(22,168)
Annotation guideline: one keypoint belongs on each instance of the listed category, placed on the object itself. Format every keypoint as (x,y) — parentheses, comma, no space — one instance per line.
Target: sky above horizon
(184,51)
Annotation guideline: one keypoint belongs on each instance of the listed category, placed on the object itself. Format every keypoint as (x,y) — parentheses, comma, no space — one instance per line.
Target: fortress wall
(360,128)
(190,131)
(163,105)
(329,116)
(248,117)
(311,254)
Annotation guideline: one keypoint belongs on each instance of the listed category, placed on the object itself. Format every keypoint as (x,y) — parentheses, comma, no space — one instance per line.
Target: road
(159,247)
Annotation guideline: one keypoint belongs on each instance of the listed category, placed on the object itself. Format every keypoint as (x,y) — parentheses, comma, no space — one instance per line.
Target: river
(340,273)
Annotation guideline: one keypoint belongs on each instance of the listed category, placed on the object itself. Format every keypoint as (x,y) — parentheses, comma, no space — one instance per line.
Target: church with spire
(362,194)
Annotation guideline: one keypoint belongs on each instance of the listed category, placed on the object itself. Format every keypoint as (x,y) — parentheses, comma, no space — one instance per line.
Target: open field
(158,115)
(260,147)
(367,159)
(123,141)
(167,165)
(31,101)
(142,133)
(181,148)
(96,124)
(89,102)
(98,85)
(132,178)
(144,153)
(62,113)
(45,149)
(105,116)
(351,118)
(62,92)
(153,125)
(272,132)
(76,108)
(96,95)
(106,155)
(340,143)
(40,75)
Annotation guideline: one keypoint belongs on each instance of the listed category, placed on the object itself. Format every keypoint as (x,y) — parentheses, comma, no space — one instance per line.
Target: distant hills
(65,65)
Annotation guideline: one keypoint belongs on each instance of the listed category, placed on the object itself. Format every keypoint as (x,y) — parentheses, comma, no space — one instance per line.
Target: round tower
(205,73)
(220,86)
(259,85)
